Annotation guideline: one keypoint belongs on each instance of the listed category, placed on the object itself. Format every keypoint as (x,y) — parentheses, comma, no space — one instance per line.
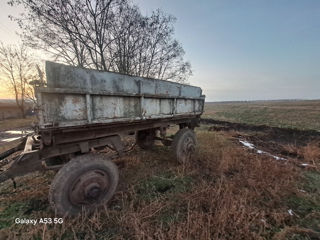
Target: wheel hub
(89,188)
(188,148)
(93,191)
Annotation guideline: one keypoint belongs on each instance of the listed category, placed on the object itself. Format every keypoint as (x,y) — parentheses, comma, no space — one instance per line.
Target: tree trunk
(23,114)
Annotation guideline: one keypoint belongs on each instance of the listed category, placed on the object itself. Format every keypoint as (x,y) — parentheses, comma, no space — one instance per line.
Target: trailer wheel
(145,138)
(184,144)
(85,183)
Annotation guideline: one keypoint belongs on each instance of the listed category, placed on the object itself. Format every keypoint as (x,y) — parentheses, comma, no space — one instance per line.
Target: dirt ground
(284,142)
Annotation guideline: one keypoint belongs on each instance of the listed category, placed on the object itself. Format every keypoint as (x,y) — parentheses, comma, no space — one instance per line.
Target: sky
(239,49)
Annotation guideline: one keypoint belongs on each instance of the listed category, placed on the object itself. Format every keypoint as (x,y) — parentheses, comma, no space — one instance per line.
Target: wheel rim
(188,149)
(89,188)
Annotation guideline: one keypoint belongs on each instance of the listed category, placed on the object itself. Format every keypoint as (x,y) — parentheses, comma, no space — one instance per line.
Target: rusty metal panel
(62,107)
(190,91)
(63,76)
(197,106)
(184,106)
(151,107)
(166,106)
(76,96)
(109,107)
(156,107)
(148,87)
(167,88)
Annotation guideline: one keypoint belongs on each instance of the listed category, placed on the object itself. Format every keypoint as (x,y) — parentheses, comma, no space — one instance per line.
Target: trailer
(81,111)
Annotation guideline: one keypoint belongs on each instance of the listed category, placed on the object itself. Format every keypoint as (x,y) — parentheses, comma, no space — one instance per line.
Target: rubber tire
(58,194)
(145,138)
(178,141)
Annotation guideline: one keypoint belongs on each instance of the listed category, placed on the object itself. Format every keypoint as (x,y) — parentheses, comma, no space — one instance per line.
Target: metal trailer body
(76,96)
(81,110)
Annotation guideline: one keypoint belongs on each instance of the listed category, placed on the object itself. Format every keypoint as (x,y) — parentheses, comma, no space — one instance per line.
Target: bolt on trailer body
(80,110)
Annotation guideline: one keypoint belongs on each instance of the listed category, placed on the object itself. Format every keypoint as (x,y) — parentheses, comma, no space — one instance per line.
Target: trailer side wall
(77,96)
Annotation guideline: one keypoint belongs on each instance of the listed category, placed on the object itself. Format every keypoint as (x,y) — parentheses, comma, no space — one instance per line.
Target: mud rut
(283,142)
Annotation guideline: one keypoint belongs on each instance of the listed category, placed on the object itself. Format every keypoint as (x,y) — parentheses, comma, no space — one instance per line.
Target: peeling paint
(77,96)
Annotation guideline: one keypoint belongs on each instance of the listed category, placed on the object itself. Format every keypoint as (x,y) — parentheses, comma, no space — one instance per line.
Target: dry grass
(226,192)
(311,154)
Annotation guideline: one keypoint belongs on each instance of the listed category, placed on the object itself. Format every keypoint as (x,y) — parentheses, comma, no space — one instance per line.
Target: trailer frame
(56,142)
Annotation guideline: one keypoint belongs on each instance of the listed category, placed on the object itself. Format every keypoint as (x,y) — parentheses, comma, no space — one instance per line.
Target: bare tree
(105,35)
(74,32)
(17,68)
(144,46)
(37,79)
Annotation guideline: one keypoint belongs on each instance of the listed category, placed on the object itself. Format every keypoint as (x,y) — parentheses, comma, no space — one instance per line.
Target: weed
(12,211)
(312,182)
(172,215)
(166,183)
(303,205)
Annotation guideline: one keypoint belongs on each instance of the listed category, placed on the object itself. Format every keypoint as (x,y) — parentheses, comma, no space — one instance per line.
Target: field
(228,190)
(288,114)
(10,124)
